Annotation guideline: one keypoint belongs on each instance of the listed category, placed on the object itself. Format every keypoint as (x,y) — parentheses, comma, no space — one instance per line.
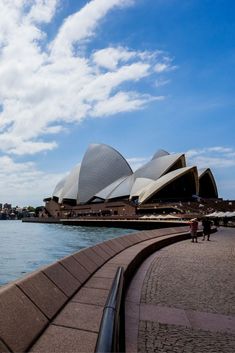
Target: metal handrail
(112,328)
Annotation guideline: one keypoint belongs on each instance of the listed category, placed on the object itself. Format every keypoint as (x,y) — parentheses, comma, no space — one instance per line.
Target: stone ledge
(82,279)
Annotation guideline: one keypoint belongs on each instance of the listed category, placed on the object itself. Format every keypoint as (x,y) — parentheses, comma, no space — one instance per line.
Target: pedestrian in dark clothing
(193,229)
(206,224)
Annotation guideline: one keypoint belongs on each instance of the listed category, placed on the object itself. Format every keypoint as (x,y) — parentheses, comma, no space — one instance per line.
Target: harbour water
(24,247)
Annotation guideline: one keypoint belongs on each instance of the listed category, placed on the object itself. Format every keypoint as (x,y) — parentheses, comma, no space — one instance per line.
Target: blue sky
(138,75)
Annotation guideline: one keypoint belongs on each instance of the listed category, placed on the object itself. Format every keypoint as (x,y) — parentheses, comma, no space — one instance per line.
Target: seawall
(138,224)
(59,307)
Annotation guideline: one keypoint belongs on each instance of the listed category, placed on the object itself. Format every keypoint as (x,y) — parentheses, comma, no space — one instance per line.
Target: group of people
(206,224)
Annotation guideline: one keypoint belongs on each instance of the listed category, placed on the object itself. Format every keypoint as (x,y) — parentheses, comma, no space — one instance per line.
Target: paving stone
(92,296)
(19,316)
(65,340)
(194,284)
(163,314)
(202,279)
(93,256)
(102,253)
(85,261)
(43,293)
(105,248)
(123,242)
(141,236)
(107,271)
(126,256)
(123,258)
(172,338)
(81,316)
(115,245)
(99,282)
(77,270)
(62,278)
(130,239)
(134,239)
(211,321)
(147,234)
(144,235)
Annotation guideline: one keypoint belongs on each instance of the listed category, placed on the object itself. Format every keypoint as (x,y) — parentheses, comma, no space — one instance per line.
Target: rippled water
(25,247)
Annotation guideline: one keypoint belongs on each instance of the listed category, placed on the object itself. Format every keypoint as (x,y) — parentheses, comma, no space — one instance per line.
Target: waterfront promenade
(59,307)
(182,299)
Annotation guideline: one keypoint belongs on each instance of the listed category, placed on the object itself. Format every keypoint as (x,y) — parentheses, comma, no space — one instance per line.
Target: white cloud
(23,181)
(160,67)
(212,157)
(47,85)
(164,65)
(213,162)
(220,149)
(109,58)
(42,11)
(122,102)
(82,24)
(161,82)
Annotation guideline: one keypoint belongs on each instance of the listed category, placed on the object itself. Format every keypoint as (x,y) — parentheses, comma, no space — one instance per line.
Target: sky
(139,75)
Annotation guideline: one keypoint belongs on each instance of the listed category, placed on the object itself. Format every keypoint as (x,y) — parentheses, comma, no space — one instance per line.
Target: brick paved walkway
(183,298)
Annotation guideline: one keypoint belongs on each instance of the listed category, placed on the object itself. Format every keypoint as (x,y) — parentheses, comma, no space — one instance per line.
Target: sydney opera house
(105,184)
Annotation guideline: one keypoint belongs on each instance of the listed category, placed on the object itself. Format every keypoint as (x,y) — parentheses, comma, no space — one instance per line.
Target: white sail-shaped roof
(104,194)
(159,166)
(160,153)
(162,182)
(70,189)
(150,171)
(202,172)
(59,188)
(101,166)
(123,189)
(139,185)
(104,174)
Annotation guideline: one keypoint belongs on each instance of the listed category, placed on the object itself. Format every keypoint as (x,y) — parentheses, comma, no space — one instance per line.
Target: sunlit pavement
(182,298)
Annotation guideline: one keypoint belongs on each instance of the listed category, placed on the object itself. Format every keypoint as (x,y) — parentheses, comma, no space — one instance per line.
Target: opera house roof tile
(160,153)
(70,189)
(59,188)
(139,185)
(157,167)
(104,194)
(123,189)
(155,186)
(101,166)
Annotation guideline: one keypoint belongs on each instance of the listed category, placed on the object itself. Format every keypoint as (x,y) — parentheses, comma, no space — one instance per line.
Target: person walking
(193,224)
(206,224)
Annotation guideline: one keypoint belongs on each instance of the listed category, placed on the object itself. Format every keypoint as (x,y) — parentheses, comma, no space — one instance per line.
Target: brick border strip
(29,306)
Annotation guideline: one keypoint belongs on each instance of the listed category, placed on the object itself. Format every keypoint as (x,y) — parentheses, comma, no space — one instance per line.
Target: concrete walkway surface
(182,298)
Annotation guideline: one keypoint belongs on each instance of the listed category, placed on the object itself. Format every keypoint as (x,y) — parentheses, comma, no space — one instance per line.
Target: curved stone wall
(59,307)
